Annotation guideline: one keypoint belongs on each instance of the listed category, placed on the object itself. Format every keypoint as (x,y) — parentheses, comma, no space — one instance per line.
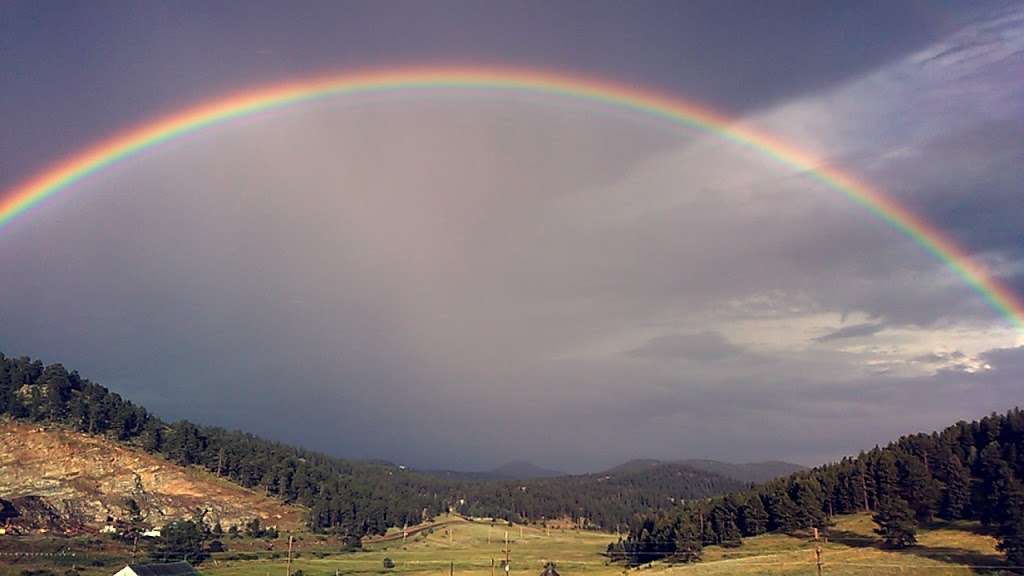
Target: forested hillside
(968,471)
(607,500)
(347,497)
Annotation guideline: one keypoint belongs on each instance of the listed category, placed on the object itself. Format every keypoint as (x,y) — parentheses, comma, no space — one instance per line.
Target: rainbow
(61,176)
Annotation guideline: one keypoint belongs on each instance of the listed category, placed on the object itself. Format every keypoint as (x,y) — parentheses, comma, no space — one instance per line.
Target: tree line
(350,498)
(971,470)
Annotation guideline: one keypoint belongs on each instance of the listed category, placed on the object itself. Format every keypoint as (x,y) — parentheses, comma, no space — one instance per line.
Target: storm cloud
(461,279)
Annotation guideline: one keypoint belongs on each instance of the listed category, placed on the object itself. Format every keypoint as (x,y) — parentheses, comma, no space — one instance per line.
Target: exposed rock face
(87,481)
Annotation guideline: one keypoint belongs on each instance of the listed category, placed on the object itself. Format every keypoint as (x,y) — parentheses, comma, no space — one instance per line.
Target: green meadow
(467,548)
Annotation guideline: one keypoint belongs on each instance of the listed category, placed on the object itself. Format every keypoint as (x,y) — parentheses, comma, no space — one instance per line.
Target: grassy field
(853,549)
(468,547)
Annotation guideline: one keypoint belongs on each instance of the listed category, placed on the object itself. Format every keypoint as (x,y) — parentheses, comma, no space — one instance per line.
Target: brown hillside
(66,480)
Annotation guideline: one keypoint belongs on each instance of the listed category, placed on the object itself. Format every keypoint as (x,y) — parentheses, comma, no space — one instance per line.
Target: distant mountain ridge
(522,470)
(756,472)
(515,470)
(750,472)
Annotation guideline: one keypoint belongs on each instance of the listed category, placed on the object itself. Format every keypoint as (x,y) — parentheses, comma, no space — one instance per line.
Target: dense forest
(968,471)
(346,497)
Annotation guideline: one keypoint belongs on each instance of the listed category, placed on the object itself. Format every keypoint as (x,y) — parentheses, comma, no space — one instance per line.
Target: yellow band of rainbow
(59,177)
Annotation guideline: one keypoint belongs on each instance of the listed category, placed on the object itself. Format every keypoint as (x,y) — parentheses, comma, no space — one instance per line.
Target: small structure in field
(172,569)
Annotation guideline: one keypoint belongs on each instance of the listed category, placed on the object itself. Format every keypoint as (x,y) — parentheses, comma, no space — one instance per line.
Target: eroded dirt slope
(85,479)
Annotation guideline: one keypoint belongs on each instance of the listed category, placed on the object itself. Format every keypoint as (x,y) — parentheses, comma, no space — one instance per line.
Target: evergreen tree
(896,523)
(781,510)
(1011,531)
(887,476)
(807,496)
(919,489)
(689,547)
(995,480)
(753,519)
(956,495)
(179,540)
(722,520)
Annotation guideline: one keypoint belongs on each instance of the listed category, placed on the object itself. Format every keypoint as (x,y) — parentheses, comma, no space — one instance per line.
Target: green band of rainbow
(61,176)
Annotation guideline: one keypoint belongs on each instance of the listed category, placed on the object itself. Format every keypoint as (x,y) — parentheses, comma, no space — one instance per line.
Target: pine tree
(896,523)
(806,494)
(1011,531)
(995,480)
(887,476)
(689,547)
(919,489)
(956,497)
(781,510)
(179,540)
(722,519)
(753,518)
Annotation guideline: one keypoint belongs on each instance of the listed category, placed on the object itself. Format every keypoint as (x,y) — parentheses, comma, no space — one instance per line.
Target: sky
(459,278)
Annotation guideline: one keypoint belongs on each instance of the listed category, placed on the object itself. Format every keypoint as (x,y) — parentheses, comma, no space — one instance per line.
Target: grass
(464,546)
(853,549)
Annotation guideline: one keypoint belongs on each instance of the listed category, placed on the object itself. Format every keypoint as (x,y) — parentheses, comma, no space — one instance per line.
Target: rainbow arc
(64,175)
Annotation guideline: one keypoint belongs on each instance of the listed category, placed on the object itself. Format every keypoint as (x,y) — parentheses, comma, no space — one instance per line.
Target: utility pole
(451,569)
(289,555)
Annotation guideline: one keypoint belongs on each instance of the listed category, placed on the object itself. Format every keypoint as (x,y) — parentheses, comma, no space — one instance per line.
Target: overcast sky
(462,278)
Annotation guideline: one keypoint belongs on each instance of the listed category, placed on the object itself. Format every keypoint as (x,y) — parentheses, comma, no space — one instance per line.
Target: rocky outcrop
(60,480)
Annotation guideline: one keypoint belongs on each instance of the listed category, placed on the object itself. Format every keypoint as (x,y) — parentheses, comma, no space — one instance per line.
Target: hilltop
(751,472)
(755,472)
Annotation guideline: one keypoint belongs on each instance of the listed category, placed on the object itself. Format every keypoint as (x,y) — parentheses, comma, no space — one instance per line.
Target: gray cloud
(853,331)
(378,277)
(701,346)
(940,357)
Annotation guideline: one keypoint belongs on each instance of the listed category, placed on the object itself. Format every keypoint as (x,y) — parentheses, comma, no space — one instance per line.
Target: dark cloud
(459,281)
(123,66)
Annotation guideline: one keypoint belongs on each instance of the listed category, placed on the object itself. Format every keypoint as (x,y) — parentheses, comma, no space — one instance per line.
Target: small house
(172,569)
